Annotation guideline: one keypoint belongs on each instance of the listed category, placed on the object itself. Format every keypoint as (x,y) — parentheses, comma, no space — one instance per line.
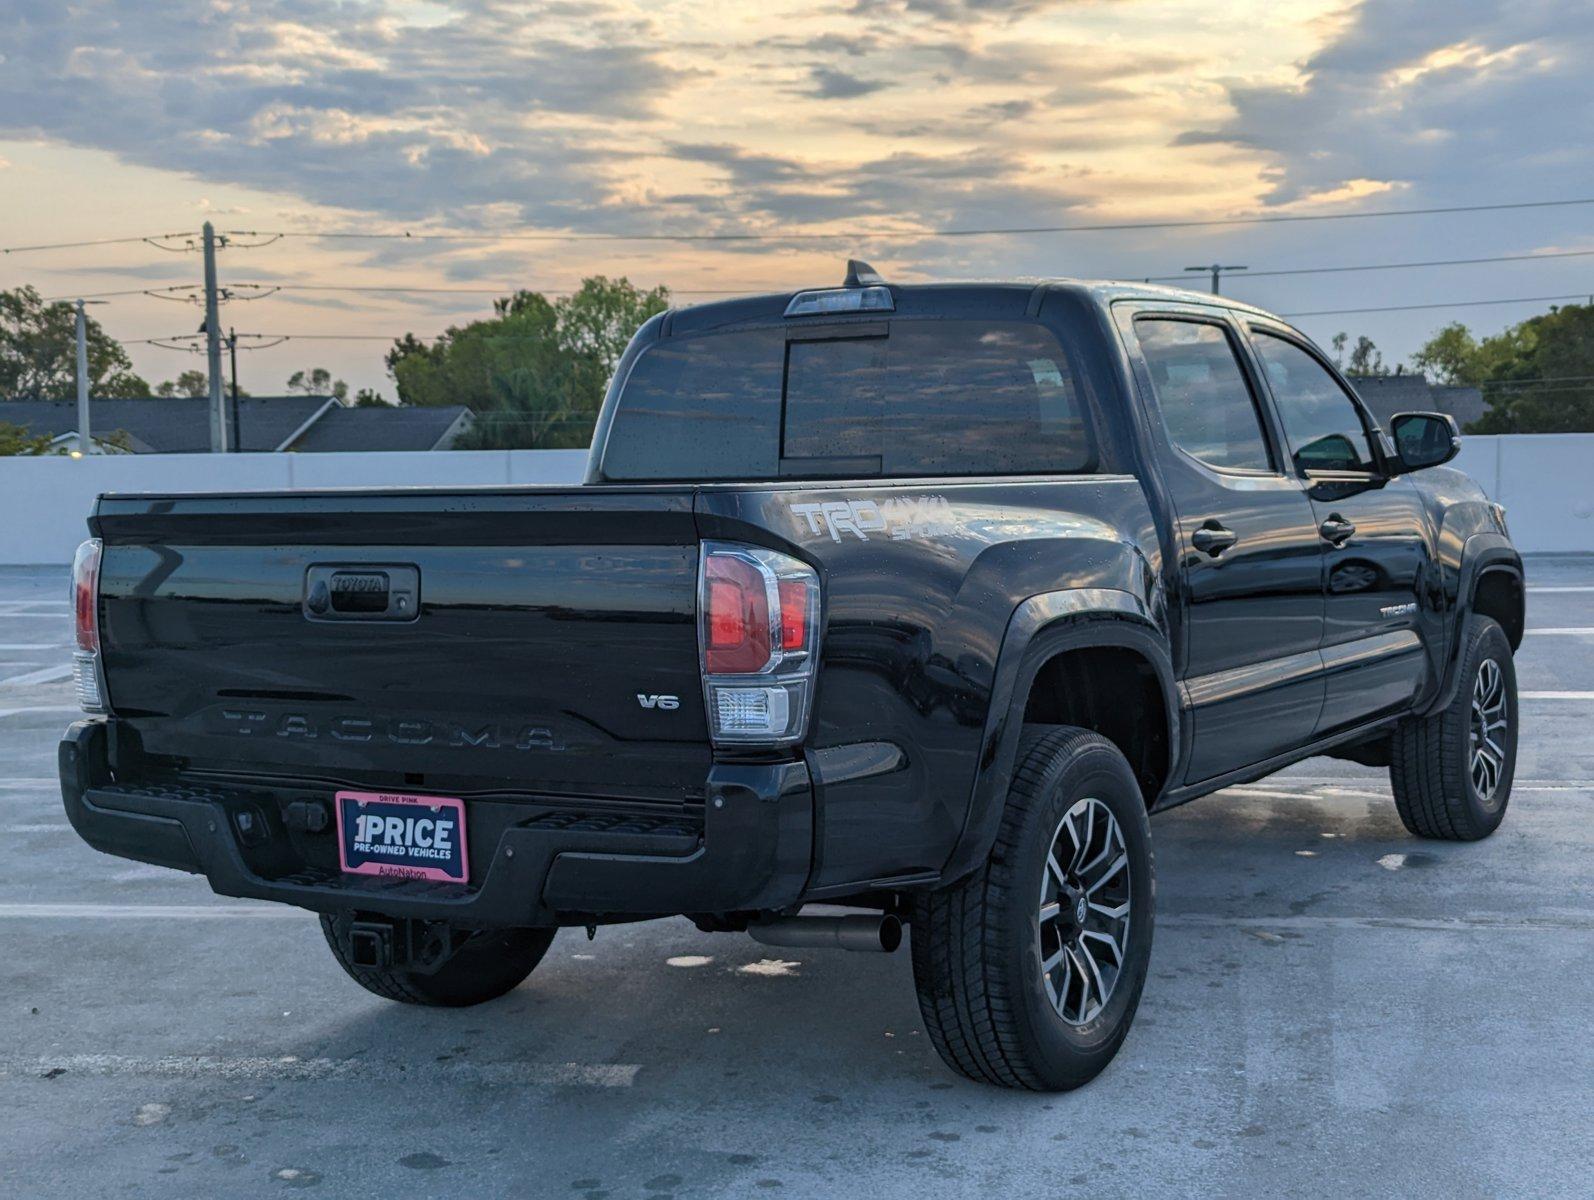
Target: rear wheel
(1029,971)
(486,965)
(1451,772)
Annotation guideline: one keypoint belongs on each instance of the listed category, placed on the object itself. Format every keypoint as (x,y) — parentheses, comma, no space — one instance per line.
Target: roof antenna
(861,274)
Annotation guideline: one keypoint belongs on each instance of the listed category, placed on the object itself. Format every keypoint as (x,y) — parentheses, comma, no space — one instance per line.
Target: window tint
(939,397)
(834,395)
(1324,428)
(910,398)
(1205,400)
(700,408)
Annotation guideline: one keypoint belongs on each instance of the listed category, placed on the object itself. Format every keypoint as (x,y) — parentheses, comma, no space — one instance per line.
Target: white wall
(45,501)
(1546,482)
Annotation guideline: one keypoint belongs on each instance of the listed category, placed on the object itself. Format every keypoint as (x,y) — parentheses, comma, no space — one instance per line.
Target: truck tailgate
(547,632)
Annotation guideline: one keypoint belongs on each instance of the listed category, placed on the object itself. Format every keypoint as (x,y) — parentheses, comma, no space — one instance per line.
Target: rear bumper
(753,849)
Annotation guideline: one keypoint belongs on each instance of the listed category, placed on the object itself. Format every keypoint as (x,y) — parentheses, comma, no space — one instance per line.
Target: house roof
(172,424)
(385,428)
(1386,395)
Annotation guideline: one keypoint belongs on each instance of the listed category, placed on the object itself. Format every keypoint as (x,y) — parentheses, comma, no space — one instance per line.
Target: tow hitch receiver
(378,943)
(371,944)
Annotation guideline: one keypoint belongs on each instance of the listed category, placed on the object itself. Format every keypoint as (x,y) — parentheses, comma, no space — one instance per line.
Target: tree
(1450,356)
(38,352)
(535,373)
(318,381)
(1365,359)
(15,439)
(1538,376)
(369,398)
(190,383)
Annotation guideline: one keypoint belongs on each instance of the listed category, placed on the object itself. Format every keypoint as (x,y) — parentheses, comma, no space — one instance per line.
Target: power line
(1335,312)
(1404,266)
(511,289)
(1329,312)
(266,289)
(152,239)
(1102,227)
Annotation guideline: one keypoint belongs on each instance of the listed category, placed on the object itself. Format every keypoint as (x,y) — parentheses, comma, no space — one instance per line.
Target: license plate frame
(406,843)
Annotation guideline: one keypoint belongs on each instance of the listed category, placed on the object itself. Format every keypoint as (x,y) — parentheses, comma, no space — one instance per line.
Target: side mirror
(1423,440)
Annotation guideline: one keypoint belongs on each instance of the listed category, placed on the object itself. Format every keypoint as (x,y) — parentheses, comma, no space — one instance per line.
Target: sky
(879,121)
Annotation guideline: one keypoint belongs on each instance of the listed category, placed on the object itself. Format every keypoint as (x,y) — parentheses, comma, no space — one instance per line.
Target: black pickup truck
(911,601)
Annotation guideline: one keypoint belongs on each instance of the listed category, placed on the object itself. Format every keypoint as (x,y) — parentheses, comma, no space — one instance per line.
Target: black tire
(1431,758)
(488,965)
(977,944)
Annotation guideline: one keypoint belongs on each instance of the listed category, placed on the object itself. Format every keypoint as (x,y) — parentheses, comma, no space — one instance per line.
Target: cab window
(1206,403)
(1324,427)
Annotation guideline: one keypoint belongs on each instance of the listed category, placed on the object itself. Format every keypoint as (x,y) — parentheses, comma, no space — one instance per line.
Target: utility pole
(232,350)
(84,438)
(1217,270)
(212,331)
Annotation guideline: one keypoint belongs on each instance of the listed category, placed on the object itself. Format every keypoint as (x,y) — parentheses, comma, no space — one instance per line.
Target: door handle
(1213,539)
(1336,530)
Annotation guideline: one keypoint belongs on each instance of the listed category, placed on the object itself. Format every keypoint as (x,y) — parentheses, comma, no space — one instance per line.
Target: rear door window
(1207,406)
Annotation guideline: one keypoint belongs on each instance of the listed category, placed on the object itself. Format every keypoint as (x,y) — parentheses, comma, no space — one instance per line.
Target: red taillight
(759,631)
(85,595)
(737,617)
(793,614)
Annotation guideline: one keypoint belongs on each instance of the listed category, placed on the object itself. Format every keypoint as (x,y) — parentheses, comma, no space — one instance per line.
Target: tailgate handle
(362,592)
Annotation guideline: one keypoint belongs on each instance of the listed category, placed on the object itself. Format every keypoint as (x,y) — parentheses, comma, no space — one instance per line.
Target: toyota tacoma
(881,607)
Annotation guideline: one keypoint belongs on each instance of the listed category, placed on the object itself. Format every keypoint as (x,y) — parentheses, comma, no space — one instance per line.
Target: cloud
(341,104)
(830,83)
(962,10)
(1450,98)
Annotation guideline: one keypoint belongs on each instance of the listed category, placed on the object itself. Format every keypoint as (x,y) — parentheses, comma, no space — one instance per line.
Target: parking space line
(54,827)
(292,1068)
(147,912)
(40,708)
(48,674)
(1556,695)
(32,646)
(1436,924)
(1563,631)
(1580,587)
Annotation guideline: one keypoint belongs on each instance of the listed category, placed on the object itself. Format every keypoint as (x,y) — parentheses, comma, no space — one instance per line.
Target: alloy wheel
(1084,911)
(1490,721)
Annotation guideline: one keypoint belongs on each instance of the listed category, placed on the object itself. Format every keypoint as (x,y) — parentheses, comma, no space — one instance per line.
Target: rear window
(875,399)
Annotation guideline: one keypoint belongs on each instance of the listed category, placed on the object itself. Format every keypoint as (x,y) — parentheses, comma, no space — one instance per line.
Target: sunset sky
(879,120)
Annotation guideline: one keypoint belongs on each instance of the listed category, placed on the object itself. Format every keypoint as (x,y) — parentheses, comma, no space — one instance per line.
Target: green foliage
(38,352)
(534,374)
(318,381)
(1450,356)
(369,398)
(191,383)
(1537,376)
(15,439)
(1365,358)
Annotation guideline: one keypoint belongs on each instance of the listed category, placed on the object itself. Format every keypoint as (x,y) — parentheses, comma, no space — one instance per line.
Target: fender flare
(1040,628)
(1481,554)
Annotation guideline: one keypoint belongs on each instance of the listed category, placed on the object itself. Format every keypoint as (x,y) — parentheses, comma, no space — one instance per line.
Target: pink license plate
(402,836)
